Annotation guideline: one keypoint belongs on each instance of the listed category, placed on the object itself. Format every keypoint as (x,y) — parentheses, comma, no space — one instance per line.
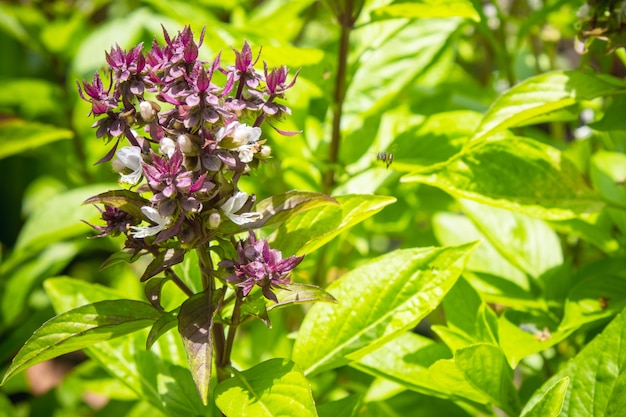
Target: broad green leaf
(282,206)
(275,387)
(517,174)
(597,376)
(377,302)
(396,53)
(551,402)
(427,9)
(157,375)
(595,297)
(436,140)
(492,275)
(19,136)
(608,174)
(543,94)
(195,325)
(527,243)
(468,316)
(308,231)
(45,100)
(479,373)
(80,328)
(60,218)
(405,361)
(19,283)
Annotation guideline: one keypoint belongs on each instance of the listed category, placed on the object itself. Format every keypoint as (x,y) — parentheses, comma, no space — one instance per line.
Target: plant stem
(232,329)
(179,282)
(346,20)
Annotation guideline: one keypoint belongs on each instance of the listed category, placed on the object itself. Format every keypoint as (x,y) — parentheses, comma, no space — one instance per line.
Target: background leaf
(82,327)
(275,387)
(517,174)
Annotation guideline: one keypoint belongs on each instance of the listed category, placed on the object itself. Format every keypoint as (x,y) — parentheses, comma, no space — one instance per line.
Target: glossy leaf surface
(371,310)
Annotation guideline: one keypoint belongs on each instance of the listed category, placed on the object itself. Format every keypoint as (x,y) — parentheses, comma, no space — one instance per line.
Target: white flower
(130,157)
(146,111)
(168,147)
(234,204)
(244,139)
(152,214)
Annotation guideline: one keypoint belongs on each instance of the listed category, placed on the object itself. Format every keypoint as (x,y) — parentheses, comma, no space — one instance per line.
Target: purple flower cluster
(259,265)
(192,128)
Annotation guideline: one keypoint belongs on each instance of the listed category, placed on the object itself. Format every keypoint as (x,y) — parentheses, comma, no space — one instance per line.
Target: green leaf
(597,375)
(195,324)
(45,100)
(164,324)
(405,361)
(377,302)
(551,402)
(282,206)
(345,407)
(59,219)
(543,94)
(308,231)
(82,327)
(479,373)
(298,293)
(20,282)
(527,243)
(427,9)
(125,200)
(19,136)
(517,174)
(608,175)
(468,316)
(491,274)
(158,375)
(275,387)
(594,297)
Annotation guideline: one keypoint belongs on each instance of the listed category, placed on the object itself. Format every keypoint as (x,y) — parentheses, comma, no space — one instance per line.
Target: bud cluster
(182,140)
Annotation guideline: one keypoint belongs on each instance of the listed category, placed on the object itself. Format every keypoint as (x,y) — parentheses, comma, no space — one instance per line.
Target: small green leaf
(427,9)
(165,259)
(82,327)
(600,369)
(18,136)
(273,388)
(345,407)
(195,324)
(125,200)
(164,324)
(517,174)
(153,291)
(297,293)
(479,373)
(543,94)
(551,402)
(377,302)
(467,314)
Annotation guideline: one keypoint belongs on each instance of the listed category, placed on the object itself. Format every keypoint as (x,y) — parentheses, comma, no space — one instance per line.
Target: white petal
(153,214)
(235,203)
(130,156)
